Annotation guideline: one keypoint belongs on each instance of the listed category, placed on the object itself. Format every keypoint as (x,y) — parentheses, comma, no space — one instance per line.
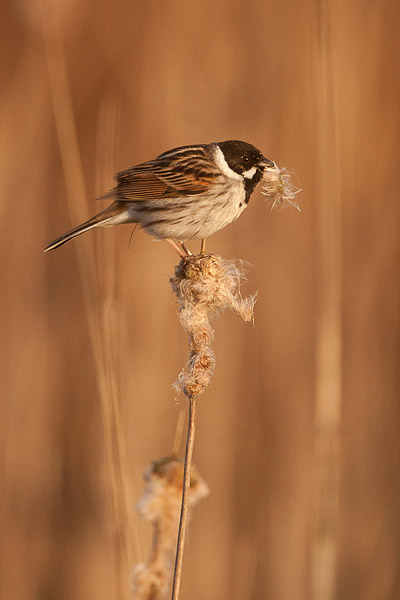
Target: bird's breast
(192,217)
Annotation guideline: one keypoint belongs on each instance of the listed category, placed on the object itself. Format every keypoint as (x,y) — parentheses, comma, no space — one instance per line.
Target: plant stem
(185,498)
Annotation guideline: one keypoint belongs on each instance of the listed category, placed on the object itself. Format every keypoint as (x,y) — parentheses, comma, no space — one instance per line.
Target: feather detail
(112,215)
(185,171)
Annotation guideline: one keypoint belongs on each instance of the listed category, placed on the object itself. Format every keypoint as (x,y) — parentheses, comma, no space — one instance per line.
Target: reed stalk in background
(328,392)
(99,330)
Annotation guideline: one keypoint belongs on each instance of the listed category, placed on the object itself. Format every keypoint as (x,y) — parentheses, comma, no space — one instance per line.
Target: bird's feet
(181,249)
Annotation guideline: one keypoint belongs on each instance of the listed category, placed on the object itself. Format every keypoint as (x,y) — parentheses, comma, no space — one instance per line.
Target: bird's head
(244,159)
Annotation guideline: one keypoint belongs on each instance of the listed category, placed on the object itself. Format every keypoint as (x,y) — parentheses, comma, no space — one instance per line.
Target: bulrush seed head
(161,504)
(205,286)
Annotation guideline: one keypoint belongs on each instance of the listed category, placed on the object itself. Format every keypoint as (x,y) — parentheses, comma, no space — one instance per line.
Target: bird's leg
(203,246)
(188,253)
(183,251)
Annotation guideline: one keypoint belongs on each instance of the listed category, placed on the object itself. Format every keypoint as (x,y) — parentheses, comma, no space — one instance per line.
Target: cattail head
(163,489)
(161,504)
(206,285)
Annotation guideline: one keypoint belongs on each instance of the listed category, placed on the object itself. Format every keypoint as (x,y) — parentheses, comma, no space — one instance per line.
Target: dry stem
(185,498)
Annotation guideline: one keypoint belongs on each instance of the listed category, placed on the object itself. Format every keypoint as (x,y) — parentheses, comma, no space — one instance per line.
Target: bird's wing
(180,172)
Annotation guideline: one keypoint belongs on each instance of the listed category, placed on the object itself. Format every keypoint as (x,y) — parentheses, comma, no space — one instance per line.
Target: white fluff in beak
(279,188)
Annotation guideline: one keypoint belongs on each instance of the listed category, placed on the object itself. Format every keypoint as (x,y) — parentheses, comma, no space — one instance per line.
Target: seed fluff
(279,188)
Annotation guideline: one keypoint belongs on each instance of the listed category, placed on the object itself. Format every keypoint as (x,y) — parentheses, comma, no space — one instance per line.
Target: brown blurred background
(298,435)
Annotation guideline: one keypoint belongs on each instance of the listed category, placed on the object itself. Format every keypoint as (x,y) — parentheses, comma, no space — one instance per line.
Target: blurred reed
(100,307)
(328,384)
(160,504)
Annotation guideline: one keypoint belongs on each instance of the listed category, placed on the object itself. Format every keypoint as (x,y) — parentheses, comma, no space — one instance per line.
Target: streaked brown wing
(186,173)
(139,184)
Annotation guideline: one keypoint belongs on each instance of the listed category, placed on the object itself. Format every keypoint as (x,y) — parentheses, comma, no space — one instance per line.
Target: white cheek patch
(250,173)
(223,165)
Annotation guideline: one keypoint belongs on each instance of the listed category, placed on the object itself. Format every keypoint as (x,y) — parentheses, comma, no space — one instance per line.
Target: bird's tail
(113,215)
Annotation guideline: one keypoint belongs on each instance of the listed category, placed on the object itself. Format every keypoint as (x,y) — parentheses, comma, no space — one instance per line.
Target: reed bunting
(186,193)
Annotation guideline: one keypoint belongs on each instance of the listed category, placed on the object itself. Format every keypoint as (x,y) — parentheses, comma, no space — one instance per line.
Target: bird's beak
(267,163)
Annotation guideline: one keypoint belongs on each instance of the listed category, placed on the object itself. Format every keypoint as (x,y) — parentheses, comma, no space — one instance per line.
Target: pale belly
(190,217)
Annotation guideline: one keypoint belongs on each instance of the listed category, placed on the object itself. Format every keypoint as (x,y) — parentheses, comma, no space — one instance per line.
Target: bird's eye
(246,160)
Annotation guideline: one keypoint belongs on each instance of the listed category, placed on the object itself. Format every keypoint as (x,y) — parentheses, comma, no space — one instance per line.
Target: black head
(242,156)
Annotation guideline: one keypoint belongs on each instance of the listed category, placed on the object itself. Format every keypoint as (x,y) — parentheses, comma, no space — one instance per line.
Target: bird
(186,193)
